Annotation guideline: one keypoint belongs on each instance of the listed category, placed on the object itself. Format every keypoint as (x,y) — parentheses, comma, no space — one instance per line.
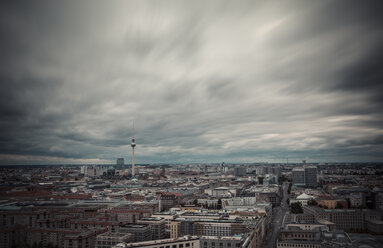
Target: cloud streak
(204,82)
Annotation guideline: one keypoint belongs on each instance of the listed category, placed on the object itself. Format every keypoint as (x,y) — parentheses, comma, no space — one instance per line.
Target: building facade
(298,176)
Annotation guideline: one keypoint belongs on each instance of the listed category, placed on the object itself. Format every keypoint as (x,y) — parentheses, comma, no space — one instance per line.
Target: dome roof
(304,196)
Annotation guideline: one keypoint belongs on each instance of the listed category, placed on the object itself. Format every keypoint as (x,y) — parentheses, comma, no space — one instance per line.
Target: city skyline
(205,82)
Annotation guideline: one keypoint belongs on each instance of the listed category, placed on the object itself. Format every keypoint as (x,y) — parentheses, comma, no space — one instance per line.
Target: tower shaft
(133,171)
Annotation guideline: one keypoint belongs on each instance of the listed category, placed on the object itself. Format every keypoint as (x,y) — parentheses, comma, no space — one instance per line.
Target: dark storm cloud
(364,75)
(234,81)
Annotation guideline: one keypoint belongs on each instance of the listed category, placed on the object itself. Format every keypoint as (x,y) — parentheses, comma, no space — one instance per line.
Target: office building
(344,219)
(306,176)
(298,175)
(157,225)
(311,176)
(120,163)
(141,232)
(239,171)
(110,239)
(166,201)
(84,170)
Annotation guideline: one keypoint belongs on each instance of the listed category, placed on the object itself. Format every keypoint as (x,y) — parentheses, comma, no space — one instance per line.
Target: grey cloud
(203,81)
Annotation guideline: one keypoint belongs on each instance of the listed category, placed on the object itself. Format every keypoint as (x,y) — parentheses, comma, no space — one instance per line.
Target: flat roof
(115,234)
(162,241)
(133,225)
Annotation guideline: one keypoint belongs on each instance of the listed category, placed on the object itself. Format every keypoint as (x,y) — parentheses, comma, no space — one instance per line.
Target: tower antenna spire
(133,129)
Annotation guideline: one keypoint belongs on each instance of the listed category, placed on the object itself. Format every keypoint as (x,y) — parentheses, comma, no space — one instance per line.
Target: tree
(323,206)
(50,245)
(282,179)
(296,208)
(312,202)
(339,205)
(289,189)
(219,204)
(348,202)
(25,245)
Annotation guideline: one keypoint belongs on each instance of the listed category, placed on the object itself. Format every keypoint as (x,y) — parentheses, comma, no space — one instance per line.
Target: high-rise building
(305,176)
(163,171)
(260,170)
(84,170)
(120,162)
(239,171)
(298,175)
(222,167)
(311,176)
(275,170)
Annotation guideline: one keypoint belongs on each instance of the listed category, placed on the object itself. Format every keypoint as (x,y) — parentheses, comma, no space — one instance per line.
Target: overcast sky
(205,81)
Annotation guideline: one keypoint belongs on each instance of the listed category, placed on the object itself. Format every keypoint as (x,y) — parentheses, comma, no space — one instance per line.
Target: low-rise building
(141,232)
(344,219)
(157,226)
(110,239)
(181,242)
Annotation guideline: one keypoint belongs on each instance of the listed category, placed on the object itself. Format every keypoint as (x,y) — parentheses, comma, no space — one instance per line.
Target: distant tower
(133,144)
(163,171)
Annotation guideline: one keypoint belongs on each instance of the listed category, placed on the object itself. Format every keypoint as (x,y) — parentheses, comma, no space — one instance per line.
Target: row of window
(220,244)
(301,235)
(299,245)
(179,245)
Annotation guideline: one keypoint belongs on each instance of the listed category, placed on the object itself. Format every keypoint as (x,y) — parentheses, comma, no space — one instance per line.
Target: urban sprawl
(192,205)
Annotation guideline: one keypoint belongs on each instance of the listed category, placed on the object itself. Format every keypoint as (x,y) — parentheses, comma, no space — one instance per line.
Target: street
(277,220)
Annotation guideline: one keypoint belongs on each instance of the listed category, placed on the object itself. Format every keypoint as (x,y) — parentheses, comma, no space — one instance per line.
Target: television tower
(133,144)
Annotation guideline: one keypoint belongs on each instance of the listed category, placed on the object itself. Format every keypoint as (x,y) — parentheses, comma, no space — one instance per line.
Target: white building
(303,199)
